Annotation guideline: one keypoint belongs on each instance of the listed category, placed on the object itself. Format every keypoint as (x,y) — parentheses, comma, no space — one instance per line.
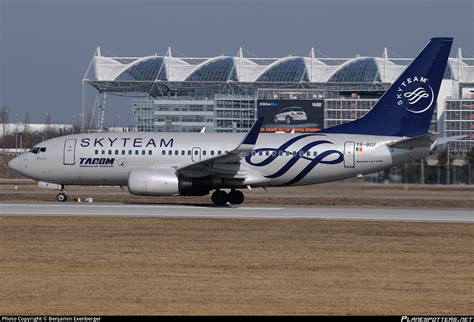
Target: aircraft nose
(15,164)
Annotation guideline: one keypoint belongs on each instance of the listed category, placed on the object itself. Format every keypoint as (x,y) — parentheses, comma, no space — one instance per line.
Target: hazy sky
(46,45)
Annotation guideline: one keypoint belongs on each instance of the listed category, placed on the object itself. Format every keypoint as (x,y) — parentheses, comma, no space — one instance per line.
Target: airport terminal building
(293,93)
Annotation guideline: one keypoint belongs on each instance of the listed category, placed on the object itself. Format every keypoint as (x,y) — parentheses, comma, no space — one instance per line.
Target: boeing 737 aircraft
(395,131)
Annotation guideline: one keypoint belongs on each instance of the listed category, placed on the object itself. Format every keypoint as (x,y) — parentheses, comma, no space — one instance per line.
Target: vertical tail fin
(407,106)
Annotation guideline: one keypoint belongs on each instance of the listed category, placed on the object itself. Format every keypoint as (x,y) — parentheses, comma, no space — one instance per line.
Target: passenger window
(274,153)
(260,153)
(170,152)
(301,153)
(163,152)
(143,152)
(129,152)
(123,152)
(204,152)
(308,153)
(103,151)
(116,152)
(315,153)
(183,152)
(267,153)
(196,152)
(150,152)
(189,152)
(219,152)
(176,152)
(96,152)
(212,152)
(280,153)
(110,152)
(136,152)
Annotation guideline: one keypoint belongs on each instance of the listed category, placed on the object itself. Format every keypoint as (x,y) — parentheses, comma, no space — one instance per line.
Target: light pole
(447,167)
(16,131)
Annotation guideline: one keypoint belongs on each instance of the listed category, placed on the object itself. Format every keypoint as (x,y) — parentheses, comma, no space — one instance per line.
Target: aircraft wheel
(236,197)
(219,197)
(61,197)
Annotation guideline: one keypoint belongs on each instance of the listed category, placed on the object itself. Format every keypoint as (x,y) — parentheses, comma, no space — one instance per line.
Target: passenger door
(69,152)
(349,154)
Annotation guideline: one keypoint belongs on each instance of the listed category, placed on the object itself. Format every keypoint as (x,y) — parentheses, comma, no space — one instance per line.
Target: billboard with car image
(291,115)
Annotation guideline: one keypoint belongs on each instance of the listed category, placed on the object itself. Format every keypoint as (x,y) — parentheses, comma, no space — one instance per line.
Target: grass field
(98,265)
(130,265)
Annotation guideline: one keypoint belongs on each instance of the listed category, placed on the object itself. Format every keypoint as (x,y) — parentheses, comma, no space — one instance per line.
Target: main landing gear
(220,197)
(61,196)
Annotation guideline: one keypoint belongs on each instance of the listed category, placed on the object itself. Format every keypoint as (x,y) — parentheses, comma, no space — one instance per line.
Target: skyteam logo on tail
(415,94)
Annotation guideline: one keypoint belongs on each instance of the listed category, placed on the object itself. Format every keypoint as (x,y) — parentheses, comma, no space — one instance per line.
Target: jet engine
(166,183)
(153,183)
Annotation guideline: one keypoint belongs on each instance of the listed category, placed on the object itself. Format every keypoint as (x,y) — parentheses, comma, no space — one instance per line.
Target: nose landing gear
(220,197)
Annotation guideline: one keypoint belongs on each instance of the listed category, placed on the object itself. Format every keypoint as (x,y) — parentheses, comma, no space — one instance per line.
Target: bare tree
(4,120)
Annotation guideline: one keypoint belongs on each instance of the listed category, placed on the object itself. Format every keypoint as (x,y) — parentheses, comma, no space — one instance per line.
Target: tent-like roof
(150,68)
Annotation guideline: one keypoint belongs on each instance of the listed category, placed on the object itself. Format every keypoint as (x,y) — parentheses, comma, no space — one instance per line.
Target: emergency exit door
(349,154)
(69,152)
(196,154)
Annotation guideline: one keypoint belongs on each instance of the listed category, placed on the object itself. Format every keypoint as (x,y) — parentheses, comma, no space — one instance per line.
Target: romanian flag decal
(359,149)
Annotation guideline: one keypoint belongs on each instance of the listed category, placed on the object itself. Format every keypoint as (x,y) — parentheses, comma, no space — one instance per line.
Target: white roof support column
(313,57)
(459,63)
(385,60)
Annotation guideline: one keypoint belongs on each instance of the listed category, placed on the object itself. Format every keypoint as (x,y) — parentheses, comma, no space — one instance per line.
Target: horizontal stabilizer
(428,140)
(420,141)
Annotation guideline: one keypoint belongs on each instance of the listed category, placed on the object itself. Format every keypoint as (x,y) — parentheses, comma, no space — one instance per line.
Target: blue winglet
(252,136)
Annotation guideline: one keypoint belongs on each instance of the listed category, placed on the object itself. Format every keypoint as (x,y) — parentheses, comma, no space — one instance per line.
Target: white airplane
(394,132)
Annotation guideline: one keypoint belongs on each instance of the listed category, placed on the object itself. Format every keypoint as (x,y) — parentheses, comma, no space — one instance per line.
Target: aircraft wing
(227,164)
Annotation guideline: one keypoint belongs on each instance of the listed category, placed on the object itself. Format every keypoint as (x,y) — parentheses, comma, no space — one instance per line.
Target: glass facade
(234,113)
(362,70)
(173,115)
(339,111)
(147,70)
(459,120)
(292,70)
(219,70)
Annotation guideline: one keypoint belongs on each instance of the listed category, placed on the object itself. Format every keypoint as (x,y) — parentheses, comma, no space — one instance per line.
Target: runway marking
(123,210)
(86,204)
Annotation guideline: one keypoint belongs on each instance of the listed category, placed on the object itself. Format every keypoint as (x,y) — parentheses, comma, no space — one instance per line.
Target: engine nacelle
(166,183)
(153,183)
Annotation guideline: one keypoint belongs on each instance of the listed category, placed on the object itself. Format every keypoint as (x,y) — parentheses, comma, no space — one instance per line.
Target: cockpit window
(37,149)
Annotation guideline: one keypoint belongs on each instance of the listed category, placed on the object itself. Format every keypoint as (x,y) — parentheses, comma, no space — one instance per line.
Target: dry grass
(61,265)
